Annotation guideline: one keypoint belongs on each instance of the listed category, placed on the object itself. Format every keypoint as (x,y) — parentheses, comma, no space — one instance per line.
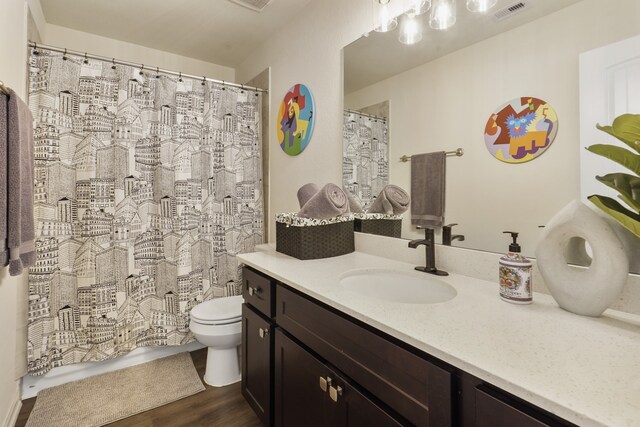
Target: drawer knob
(253,291)
(334,392)
(263,332)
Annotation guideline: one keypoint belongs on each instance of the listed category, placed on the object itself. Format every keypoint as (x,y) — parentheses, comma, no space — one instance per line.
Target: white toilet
(217,324)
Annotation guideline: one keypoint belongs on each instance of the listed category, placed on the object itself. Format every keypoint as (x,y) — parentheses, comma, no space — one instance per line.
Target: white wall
(55,35)
(13,59)
(445,104)
(308,50)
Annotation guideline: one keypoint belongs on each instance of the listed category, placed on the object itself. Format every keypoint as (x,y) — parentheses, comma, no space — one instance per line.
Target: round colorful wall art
(295,120)
(521,130)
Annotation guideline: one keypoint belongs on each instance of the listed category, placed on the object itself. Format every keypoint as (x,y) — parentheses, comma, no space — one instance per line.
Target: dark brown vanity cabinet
(310,393)
(307,364)
(257,343)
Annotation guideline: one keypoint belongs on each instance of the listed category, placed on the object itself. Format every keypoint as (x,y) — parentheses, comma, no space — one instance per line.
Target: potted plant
(627,129)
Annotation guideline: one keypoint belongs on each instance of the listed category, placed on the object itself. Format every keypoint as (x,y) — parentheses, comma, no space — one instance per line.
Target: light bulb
(443,14)
(386,22)
(417,7)
(480,5)
(410,31)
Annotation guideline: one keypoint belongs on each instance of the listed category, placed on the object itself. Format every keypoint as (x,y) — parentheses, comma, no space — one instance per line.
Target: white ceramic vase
(586,291)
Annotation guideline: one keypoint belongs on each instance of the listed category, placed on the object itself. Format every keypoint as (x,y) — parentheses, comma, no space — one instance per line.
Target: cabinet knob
(334,392)
(263,332)
(253,291)
(324,382)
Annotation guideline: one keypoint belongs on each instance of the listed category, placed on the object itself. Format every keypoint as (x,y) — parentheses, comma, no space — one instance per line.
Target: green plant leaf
(626,218)
(619,155)
(626,128)
(627,185)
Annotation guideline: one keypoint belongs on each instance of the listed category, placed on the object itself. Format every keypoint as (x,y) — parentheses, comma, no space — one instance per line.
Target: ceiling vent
(513,9)
(255,5)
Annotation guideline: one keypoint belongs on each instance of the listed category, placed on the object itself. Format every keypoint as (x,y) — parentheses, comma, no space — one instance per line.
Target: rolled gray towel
(327,203)
(354,204)
(391,200)
(306,192)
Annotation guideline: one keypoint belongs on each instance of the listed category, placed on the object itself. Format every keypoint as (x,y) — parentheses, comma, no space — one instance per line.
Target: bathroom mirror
(441,91)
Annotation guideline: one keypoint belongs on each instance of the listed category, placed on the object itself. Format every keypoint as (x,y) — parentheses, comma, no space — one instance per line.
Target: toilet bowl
(217,324)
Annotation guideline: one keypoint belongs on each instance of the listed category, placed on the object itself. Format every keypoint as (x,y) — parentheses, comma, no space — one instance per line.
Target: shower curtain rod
(384,119)
(86,55)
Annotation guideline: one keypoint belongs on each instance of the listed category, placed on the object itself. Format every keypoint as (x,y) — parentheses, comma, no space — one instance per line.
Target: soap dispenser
(515,274)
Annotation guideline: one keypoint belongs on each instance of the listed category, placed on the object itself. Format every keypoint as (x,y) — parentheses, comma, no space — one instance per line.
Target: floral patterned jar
(515,275)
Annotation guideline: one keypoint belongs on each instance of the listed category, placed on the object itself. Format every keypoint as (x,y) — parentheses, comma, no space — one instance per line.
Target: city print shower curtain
(365,157)
(146,187)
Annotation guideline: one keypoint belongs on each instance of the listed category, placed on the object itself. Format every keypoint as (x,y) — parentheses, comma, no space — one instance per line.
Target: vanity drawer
(496,409)
(258,290)
(415,388)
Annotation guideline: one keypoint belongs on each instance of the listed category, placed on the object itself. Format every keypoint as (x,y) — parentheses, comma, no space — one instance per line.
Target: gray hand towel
(354,204)
(391,200)
(428,174)
(4,250)
(306,192)
(327,203)
(20,224)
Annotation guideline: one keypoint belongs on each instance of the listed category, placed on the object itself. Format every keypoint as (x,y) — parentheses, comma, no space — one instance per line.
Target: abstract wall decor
(146,187)
(295,120)
(365,157)
(521,130)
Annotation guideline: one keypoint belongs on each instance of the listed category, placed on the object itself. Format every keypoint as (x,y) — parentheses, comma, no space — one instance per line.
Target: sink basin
(397,286)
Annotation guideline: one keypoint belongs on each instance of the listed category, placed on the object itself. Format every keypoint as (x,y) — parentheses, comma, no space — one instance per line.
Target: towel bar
(459,152)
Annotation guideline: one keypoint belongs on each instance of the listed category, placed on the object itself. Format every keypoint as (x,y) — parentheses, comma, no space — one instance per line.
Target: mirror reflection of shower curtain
(365,158)
(146,188)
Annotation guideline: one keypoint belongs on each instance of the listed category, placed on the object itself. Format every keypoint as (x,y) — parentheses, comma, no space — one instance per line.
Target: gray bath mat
(109,397)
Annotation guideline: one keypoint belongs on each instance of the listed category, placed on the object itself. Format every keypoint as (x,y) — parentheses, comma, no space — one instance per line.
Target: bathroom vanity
(316,353)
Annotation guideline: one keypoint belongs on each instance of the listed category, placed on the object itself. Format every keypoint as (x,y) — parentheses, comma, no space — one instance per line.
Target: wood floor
(216,406)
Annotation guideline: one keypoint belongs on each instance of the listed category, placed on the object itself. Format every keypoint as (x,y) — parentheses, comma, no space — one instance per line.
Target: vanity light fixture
(385,19)
(443,14)
(480,5)
(417,7)
(410,31)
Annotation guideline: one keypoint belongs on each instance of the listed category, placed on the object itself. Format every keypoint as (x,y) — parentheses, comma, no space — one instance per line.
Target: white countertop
(585,370)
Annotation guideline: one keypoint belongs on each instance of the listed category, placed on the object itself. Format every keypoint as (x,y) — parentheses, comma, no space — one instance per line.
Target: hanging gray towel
(391,200)
(4,251)
(20,224)
(428,176)
(354,204)
(306,192)
(327,203)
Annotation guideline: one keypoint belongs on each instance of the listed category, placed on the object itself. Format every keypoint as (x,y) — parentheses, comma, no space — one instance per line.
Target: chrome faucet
(430,249)
(447,238)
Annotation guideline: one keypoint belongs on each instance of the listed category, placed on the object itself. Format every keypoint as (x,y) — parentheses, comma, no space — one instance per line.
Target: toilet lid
(219,310)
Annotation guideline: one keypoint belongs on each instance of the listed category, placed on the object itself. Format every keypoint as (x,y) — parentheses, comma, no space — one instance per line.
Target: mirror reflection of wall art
(521,130)
(295,120)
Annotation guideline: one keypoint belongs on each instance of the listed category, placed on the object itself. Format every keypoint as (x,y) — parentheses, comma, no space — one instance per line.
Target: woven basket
(381,227)
(315,241)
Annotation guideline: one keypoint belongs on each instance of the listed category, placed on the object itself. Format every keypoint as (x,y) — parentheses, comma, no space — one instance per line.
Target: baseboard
(14,411)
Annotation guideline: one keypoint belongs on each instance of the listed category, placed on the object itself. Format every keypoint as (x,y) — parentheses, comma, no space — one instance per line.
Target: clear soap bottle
(515,274)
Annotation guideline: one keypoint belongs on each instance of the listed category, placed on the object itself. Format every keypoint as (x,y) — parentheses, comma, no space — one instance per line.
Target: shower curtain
(365,157)
(146,187)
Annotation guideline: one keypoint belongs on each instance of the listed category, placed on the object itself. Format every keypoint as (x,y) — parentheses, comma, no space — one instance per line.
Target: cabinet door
(309,393)
(299,397)
(354,409)
(257,366)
